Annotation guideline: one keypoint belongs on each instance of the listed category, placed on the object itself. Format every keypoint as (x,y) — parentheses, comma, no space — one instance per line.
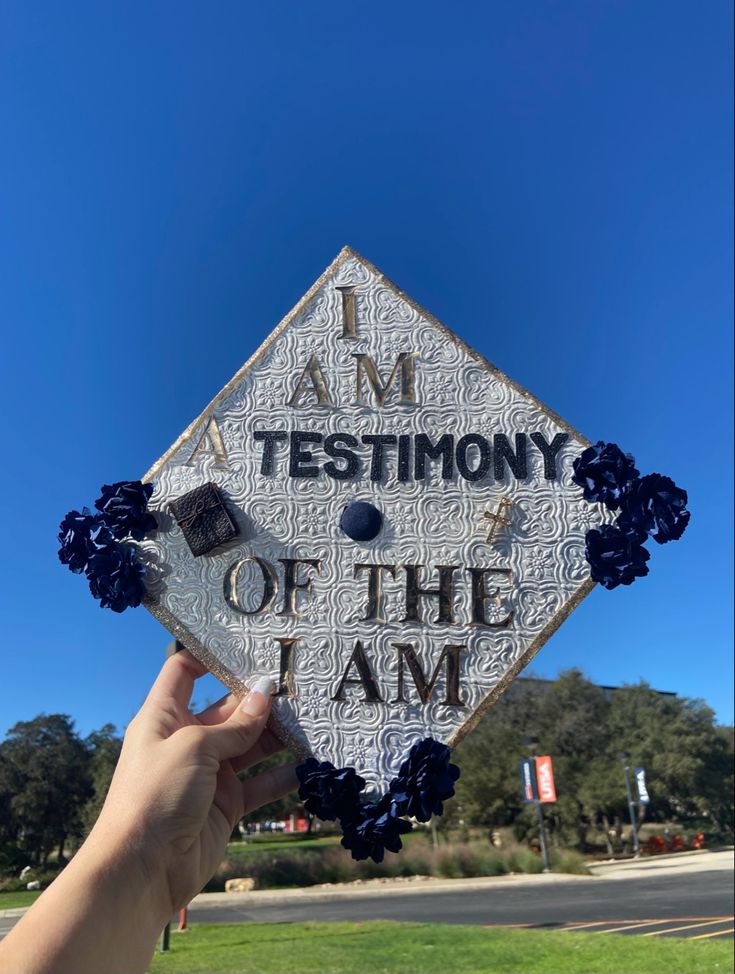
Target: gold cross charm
(498,519)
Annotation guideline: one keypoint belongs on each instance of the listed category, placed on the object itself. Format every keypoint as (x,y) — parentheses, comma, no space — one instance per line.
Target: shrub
(568,861)
(308,867)
(525,861)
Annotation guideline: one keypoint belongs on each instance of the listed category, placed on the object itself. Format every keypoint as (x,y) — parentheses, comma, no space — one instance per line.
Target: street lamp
(531,743)
(624,756)
(171,649)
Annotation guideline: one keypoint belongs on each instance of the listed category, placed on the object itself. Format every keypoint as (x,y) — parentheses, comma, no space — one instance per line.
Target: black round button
(361,521)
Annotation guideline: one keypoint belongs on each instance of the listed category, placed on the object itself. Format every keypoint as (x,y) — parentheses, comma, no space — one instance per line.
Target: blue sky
(550,179)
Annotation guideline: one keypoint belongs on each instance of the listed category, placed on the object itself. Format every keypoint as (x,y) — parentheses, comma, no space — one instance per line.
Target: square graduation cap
(390,530)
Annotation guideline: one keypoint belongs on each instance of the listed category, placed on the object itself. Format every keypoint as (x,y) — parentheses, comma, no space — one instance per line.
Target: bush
(525,861)
(309,867)
(12,860)
(568,861)
(14,884)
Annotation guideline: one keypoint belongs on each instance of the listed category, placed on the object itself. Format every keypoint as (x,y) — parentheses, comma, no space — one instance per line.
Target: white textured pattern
(429,522)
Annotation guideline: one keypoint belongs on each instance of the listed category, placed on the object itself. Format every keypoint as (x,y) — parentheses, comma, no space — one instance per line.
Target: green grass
(268,841)
(382,947)
(23,897)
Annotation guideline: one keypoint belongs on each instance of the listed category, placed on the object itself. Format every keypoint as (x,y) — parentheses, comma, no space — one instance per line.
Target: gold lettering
(232,577)
(311,381)
(364,679)
(349,330)
(286,686)
(481,596)
(210,444)
(450,654)
(404,365)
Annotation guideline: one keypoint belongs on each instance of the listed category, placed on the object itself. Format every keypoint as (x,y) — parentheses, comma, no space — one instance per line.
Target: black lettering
(333,449)
(483,463)
(549,451)
(423,448)
(404,458)
(298,460)
(378,443)
(269,438)
(504,453)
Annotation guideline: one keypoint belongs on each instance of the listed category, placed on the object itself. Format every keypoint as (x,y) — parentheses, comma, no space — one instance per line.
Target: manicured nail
(256,702)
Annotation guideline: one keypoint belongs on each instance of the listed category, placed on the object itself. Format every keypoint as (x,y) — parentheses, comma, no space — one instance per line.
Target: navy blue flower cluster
(425,780)
(91,543)
(650,507)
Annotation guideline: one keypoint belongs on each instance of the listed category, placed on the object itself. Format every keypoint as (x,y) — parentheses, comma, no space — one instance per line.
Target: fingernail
(257,701)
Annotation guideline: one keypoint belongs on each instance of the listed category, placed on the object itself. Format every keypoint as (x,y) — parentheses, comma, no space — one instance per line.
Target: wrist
(101,914)
(117,862)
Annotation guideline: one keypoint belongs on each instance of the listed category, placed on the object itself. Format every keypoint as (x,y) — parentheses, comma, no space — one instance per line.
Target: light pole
(532,743)
(171,649)
(623,755)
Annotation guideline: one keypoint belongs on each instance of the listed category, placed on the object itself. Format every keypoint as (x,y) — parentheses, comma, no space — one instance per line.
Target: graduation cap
(378,518)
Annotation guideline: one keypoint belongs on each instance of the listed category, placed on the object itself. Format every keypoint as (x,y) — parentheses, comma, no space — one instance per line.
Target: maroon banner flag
(545,779)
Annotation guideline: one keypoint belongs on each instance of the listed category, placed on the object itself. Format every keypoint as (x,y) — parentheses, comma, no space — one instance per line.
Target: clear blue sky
(550,179)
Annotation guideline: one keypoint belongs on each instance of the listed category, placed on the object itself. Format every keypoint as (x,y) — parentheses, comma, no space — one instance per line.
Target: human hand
(175,796)
(173,802)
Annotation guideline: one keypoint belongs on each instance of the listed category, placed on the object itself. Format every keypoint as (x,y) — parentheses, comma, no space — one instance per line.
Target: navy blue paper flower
(424,781)
(80,537)
(116,577)
(329,792)
(615,558)
(375,828)
(123,510)
(655,506)
(604,471)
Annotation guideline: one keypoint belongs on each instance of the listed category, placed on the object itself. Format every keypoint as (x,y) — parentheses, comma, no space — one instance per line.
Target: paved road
(689,897)
(695,898)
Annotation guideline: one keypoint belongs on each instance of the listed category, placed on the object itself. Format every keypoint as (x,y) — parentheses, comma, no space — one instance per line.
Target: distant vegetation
(53,784)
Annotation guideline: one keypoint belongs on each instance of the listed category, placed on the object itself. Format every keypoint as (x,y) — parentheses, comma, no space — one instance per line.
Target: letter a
(364,678)
(312,380)
(210,444)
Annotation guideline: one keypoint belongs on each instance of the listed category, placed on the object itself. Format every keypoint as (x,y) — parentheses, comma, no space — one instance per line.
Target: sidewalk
(698,860)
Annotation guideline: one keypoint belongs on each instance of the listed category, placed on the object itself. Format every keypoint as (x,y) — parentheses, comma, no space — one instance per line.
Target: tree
(688,759)
(103,747)
(487,792)
(45,767)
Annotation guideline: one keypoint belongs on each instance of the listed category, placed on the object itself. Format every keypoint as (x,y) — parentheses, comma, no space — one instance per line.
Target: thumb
(241,730)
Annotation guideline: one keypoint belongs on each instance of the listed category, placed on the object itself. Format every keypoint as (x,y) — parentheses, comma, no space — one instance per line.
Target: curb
(206,901)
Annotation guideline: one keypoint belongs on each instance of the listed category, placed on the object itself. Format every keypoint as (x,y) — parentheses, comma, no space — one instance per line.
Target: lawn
(382,947)
(23,897)
(282,842)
